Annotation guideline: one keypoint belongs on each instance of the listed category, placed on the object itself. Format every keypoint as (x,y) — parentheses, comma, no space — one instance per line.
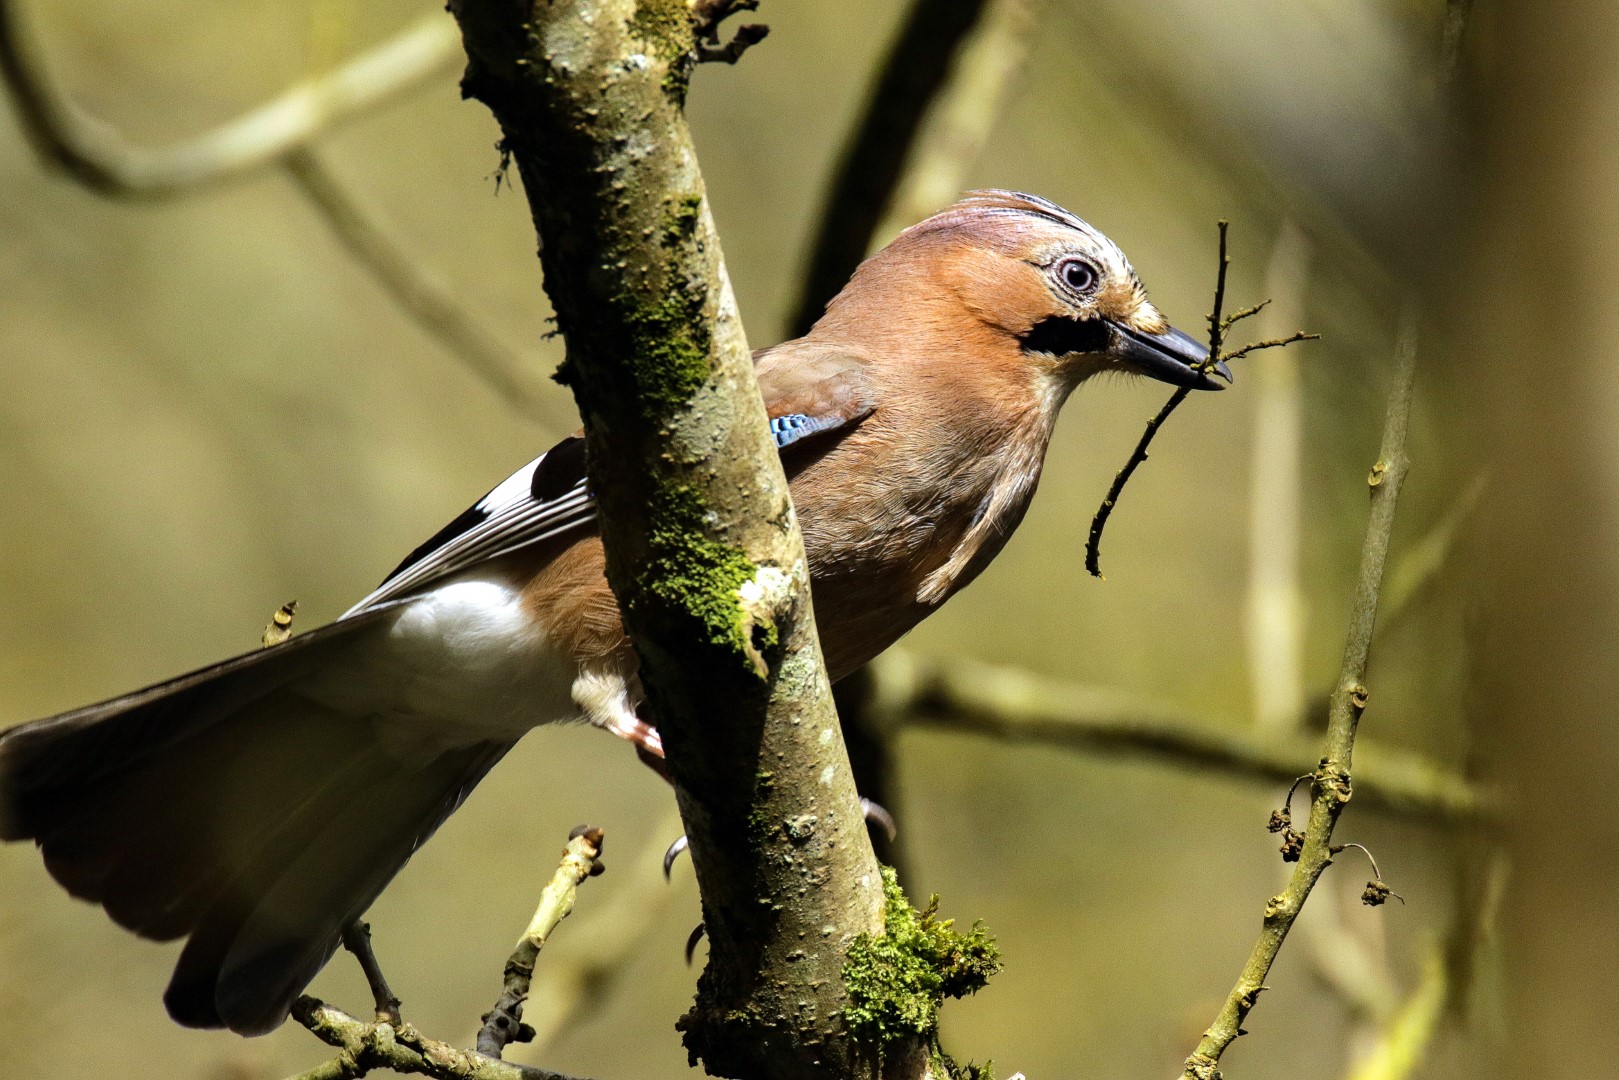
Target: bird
(258,806)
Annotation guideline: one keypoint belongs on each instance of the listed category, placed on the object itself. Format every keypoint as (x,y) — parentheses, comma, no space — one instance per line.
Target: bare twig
(603,940)
(503,1023)
(912,73)
(707,15)
(428,301)
(388,1042)
(1017,706)
(1270,343)
(1332,787)
(746,36)
(1217,329)
(98,157)
(279,628)
(364,1047)
(357,940)
(1218,325)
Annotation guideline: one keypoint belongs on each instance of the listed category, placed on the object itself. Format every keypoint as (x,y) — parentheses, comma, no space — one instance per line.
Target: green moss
(682,221)
(944,1066)
(897,981)
(667,28)
(698,575)
(671,340)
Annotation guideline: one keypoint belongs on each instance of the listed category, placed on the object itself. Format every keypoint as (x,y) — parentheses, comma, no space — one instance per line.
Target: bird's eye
(1078,275)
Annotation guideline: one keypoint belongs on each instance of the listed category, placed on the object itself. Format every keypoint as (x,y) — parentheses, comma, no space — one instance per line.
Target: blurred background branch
(919,62)
(417,291)
(1005,703)
(282,132)
(98,157)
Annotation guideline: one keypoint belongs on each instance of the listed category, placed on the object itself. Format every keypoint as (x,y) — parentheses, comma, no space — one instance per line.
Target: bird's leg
(357,940)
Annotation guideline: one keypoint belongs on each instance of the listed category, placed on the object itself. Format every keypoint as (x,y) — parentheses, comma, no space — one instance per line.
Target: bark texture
(703,549)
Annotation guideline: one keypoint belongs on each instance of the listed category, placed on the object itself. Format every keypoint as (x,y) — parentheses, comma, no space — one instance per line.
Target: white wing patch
(512,520)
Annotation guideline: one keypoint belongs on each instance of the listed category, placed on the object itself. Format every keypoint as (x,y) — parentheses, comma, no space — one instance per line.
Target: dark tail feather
(224,806)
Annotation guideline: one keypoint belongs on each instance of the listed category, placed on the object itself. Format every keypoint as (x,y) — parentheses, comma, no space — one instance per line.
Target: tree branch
(604,940)
(703,550)
(503,1023)
(428,302)
(98,157)
(387,1042)
(912,73)
(1331,788)
(403,1049)
(1017,706)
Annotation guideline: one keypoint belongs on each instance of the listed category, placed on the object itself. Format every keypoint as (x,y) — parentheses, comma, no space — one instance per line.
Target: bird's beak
(1171,357)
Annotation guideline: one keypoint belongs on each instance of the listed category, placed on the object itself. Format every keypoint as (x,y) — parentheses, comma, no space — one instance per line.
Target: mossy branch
(703,549)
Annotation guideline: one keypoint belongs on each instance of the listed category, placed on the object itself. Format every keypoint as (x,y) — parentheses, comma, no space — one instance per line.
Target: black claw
(672,854)
(877,815)
(697,933)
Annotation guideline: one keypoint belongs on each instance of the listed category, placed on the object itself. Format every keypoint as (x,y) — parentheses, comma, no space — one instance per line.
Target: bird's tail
(225,807)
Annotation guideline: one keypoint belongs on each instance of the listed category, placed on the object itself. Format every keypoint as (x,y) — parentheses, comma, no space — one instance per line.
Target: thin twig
(503,1023)
(603,941)
(1332,787)
(1017,706)
(1218,325)
(428,301)
(914,70)
(1217,329)
(1270,343)
(98,157)
(388,1042)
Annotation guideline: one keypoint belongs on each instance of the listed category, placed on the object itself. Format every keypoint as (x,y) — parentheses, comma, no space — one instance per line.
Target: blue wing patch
(795,426)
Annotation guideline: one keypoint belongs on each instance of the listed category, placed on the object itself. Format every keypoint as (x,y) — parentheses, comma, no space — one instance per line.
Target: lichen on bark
(703,549)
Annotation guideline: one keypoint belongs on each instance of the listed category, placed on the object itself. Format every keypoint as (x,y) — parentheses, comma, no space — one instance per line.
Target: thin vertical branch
(1275,622)
(1331,787)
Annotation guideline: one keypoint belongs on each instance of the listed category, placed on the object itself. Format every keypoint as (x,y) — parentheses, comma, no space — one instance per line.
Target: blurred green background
(207,408)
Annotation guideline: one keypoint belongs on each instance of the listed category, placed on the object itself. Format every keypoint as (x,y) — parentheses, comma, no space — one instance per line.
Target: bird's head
(1050,290)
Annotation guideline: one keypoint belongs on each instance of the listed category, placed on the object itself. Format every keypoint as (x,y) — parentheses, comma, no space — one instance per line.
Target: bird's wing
(808,390)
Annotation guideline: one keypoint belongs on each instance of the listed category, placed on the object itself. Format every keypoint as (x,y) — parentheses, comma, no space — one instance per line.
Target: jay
(258,806)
